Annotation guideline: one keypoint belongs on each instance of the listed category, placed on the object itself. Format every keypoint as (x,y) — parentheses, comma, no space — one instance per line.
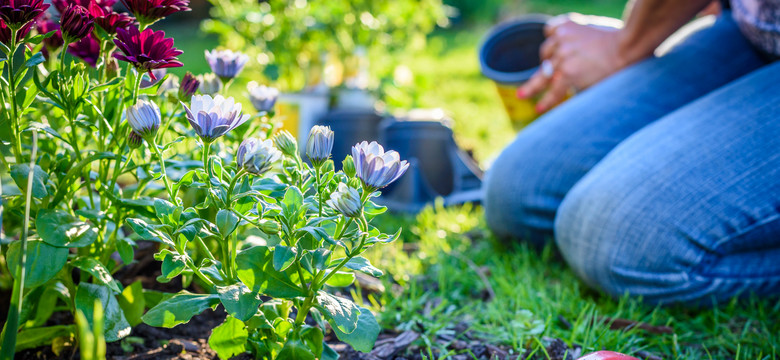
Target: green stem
(15,120)
(319,188)
(200,275)
(202,245)
(164,173)
(232,187)
(11,328)
(303,311)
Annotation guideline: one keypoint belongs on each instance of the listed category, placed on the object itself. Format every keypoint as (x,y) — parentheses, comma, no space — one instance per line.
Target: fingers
(547,50)
(533,86)
(555,95)
(554,23)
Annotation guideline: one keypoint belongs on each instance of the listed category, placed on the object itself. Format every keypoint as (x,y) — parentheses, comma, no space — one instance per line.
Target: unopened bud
(286,143)
(269,227)
(348,165)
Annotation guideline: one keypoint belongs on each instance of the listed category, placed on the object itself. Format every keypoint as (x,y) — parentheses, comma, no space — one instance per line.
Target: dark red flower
(20,12)
(149,11)
(5,32)
(61,5)
(109,20)
(76,23)
(147,50)
(45,25)
(87,49)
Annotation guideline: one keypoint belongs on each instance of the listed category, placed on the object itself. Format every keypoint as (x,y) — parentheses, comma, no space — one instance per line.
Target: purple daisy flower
(375,167)
(214,117)
(87,49)
(61,5)
(149,11)
(147,50)
(76,23)
(109,20)
(5,32)
(17,13)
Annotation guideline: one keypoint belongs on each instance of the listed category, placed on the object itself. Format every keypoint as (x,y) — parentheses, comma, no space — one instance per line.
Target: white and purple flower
(257,156)
(263,97)
(214,117)
(346,200)
(210,84)
(227,64)
(319,145)
(144,118)
(375,167)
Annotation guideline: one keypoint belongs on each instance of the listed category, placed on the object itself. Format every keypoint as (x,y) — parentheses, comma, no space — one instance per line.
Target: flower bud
(134,141)
(319,145)
(188,86)
(144,118)
(210,84)
(269,227)
(286,142)
(76,23)
(355,183)
(346,200)
(348,165)
(257,156)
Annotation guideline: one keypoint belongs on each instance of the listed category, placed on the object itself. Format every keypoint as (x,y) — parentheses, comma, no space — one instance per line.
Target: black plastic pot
(350,126)
(438,168)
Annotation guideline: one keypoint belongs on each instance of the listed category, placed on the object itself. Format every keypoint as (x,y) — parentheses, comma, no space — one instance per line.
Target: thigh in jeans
(687,209)
(530,178)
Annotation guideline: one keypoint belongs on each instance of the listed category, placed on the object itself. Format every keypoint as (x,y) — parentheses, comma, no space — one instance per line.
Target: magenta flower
(45,25)
(149,11)
(76,23)
(109,20)
(5,32)
(147,50)
(61,5)
(17,13)
(189,85)
(87,49)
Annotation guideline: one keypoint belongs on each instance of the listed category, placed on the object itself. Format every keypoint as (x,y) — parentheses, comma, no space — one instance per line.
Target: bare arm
(584,50)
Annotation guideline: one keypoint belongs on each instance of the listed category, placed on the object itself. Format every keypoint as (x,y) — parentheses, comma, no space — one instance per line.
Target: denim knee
(614,244)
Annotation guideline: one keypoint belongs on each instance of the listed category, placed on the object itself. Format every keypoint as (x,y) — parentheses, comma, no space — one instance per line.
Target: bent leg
(687,209)
(528,181)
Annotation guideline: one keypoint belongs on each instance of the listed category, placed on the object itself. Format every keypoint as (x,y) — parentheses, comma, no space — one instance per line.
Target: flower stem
(11,328)
(164,172)
(15,120)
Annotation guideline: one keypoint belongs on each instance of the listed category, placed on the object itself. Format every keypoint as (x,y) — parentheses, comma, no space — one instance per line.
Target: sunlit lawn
(447,261)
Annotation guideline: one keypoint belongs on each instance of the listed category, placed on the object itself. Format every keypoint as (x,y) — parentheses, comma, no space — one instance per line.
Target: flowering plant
(242,215)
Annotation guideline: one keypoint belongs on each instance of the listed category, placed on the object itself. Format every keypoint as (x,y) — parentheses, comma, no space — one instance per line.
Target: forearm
(649,22)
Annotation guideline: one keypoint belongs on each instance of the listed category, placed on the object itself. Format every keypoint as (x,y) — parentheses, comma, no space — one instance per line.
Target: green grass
(441,287)
(434,263)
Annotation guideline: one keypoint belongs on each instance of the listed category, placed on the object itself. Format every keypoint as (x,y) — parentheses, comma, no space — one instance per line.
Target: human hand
(579,51)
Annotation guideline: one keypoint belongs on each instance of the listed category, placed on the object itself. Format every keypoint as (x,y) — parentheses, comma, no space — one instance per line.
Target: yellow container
(509,55)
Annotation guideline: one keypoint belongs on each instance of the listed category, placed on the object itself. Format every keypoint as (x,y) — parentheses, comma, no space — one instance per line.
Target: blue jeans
(663,180)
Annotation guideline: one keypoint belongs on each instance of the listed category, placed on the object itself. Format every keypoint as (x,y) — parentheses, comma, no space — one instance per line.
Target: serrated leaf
(359,263)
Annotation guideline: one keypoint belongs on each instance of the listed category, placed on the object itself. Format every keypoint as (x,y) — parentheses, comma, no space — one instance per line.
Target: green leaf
(43,261)
(60,229)
(359,263)
(132,302)
(166,211)
(116,325)
(284,256)
(341,279)
(365,336)
(35,60)
(125,248)
(341,313)
(172,265)
(295,349)
(245,203)
(229,339)
(256,270)
(149,232)
(292,203)
(96,269)
(239,301)
(227,222)
(313,338)
(20,173)
(179,309)
(32,338)
(328,353)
